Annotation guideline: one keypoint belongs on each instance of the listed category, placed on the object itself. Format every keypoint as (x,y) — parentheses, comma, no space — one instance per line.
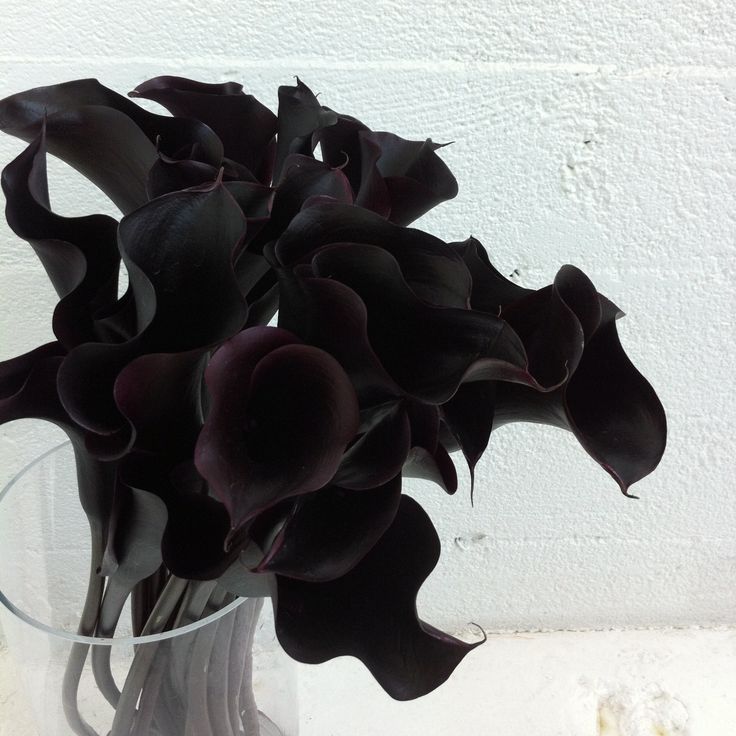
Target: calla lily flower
(212,447)
(281,415)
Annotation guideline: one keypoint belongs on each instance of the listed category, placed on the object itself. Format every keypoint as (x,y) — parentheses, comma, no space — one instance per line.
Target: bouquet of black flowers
(213,447)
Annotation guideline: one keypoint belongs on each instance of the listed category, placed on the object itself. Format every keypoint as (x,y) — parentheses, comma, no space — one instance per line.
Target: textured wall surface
(595,134)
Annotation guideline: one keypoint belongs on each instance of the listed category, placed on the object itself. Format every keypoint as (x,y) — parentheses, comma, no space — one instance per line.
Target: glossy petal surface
(329,531)
(370,612)
(281,416)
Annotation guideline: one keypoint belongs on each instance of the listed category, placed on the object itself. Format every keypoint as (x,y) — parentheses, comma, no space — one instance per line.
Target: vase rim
(97,640)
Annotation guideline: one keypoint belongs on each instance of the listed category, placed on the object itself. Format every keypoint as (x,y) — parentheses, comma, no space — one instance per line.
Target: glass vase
(222,674)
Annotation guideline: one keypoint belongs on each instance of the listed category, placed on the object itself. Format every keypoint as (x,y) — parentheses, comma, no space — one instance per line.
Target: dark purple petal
(379,453)
(330,316)
(373,191)
(103,135)
(263,305)
(255,200)
(28,390)
(553,324)
(468,415)
(435,273)
(329,531)
(80,254)
(103,145)
(179,252)
(117,323)
(417,179)
(302,178)
(246,127)
(394,177)
(428,351)
(425,424)
(193,543)
(344,144)
(428,459)
(280,418)
(436,467)
(579,294)
(613,410)
(250,269)
(609,406)
(172,175)
(551,333)
(551,328)
(160,395)
(28,386)
(370,612)
(341,146)
(85,385)
(491,290)
(300,116)
(348,144)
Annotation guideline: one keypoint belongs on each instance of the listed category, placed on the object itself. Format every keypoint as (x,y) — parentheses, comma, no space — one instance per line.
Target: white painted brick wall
(646,208)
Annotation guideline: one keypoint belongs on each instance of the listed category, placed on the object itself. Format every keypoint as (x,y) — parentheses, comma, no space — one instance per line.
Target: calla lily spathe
(201,433)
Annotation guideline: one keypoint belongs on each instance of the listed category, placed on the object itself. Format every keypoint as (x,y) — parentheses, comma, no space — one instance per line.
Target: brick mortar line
(448,65)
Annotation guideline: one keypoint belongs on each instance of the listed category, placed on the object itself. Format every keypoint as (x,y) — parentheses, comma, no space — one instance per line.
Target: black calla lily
(370,612)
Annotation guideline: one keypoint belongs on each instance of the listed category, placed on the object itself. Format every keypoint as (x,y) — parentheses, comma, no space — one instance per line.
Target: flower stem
(248,710)
(110,611)
(87,623)
(162,611)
